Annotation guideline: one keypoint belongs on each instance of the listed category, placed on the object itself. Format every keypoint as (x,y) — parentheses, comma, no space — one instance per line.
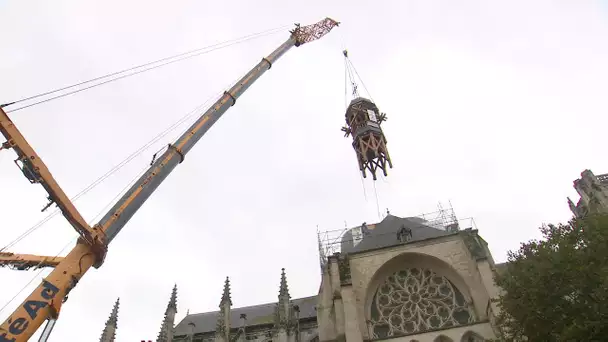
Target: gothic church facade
(400,280)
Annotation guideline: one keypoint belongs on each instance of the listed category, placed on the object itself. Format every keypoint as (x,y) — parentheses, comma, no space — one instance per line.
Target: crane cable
(104,209)
(35,276)
(352,72)
(72,240)
(166,60)
(349,75)
(114,169)
(101,212)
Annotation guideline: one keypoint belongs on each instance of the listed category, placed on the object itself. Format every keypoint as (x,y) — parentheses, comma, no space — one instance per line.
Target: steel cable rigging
(35,277)
(49,295)
(166,60)
(101,212)
(120,165)
(351,75)
(115,76)
(351,72)
(115,169)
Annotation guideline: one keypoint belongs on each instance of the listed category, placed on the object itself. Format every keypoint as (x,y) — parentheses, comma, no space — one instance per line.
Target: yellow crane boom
(45,301)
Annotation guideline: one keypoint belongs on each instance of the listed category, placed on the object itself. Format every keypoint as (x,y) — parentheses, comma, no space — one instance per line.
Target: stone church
(593,192)
(400,279)
(403,279)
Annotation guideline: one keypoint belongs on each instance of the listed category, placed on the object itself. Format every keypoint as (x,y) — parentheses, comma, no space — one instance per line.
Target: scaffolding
(444,218)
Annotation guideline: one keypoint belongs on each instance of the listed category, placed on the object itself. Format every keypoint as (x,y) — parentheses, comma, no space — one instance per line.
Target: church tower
(109,332)
(222,330)
(593,191)
(167,327)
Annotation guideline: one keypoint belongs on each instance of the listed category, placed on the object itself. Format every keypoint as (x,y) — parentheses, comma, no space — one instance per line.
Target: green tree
(556,288)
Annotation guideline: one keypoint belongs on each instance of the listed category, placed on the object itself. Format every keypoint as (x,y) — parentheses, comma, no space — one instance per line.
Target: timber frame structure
(44,304)
(363,121)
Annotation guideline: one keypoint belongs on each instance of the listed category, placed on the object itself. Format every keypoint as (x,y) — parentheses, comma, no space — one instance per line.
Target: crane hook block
(363,120)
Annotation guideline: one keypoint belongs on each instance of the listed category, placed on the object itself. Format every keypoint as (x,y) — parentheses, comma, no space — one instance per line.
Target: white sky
(496,107)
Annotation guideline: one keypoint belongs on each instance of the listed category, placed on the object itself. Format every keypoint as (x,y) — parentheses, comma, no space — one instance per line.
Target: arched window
(470,336)
(416,300)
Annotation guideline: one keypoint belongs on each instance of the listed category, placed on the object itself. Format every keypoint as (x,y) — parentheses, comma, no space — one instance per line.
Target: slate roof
(379,235)
(256,315)
(384,234)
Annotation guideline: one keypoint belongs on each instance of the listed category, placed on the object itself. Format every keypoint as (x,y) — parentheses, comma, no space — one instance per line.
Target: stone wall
(462,258)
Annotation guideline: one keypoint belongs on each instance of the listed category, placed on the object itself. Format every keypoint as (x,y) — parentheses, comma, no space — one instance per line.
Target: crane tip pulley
(309,33)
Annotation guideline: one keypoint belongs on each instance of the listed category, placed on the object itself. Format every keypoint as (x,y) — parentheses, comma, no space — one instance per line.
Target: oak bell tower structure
(363,121)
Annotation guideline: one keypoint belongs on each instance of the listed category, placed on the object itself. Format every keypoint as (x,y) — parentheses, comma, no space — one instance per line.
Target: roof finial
(109,331)
(115,309)
(167,327)
(222,328)
(173,299)
(283,290)
(283,311)
(226,294)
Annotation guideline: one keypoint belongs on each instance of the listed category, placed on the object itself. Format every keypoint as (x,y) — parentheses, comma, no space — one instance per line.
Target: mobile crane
(44,304)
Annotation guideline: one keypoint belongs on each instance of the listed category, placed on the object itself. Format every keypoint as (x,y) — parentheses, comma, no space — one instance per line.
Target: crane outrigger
(44,304)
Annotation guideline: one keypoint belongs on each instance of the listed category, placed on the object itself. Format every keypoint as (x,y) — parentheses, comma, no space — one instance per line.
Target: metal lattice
(309,33)
(445,219)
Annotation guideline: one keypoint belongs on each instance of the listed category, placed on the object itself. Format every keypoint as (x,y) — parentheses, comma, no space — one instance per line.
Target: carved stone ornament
(344,268)
(474,245)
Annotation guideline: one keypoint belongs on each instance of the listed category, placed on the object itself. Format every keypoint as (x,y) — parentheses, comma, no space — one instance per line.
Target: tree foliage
(556,288)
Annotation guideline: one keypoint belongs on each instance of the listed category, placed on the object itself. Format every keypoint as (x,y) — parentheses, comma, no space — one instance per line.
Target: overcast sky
(494,106)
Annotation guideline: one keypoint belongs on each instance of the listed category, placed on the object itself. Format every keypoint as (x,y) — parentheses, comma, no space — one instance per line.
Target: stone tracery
(416,300)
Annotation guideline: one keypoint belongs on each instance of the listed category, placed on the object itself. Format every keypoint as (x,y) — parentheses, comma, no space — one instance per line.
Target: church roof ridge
(254,306)
(260,314)
(385,233)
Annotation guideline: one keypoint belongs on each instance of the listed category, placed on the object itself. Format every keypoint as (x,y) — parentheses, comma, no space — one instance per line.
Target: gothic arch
(471,336)
(414,293)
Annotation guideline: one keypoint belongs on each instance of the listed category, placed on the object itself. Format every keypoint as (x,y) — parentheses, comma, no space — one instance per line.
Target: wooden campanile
(363,120)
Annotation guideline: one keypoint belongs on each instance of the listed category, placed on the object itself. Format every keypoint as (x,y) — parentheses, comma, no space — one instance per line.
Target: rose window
(416,300)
